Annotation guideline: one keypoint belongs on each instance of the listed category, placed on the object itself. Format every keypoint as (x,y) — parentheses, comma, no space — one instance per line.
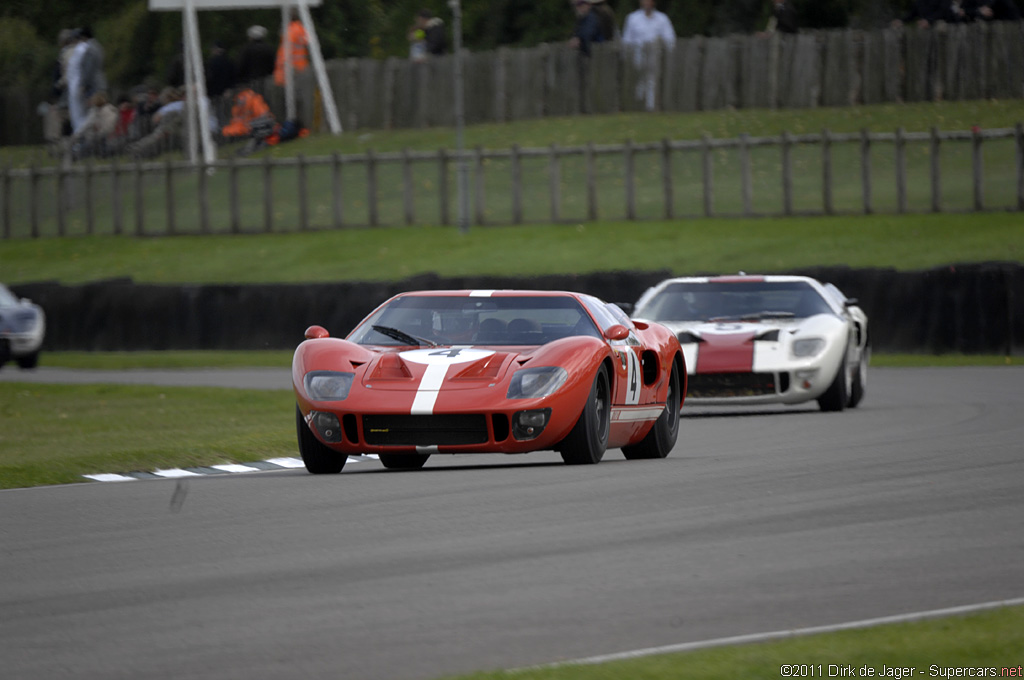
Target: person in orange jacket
(300,50)
(252,118)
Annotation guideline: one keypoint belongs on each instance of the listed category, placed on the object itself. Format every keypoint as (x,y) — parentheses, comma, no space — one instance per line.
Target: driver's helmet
(459,327)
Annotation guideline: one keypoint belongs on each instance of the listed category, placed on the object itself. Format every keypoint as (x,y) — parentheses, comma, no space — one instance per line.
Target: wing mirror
(850,302)
(316,332)
(617,332)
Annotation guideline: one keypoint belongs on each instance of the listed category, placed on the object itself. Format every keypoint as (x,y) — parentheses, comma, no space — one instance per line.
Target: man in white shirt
(647,32)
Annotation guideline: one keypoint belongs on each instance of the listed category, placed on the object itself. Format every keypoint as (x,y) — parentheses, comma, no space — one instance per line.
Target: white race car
(764,339)
(22,326)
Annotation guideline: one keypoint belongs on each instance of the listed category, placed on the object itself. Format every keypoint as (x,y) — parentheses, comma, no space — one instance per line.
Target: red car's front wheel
(586,442)
(319,459)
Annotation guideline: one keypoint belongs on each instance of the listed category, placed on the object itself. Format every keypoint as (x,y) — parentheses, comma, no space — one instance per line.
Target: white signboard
(178,5)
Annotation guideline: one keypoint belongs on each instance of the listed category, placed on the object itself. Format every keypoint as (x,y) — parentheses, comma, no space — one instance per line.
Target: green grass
(991,639)
(720,245)
(54,434)
(640,127)
(283,358)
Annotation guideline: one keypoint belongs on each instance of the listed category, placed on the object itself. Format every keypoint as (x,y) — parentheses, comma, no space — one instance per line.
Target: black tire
(860,379)
(319,459)
(403,461)
(29,361)
(586,442)
(835,397)
(662,437)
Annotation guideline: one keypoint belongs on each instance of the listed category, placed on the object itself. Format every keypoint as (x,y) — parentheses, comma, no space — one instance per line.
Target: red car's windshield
(457,320)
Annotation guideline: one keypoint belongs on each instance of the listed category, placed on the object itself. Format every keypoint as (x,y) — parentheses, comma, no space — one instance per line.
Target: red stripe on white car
(726,353)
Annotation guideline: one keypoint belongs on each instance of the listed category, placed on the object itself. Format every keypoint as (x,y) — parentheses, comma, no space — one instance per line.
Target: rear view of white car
(22,327)
(764,339)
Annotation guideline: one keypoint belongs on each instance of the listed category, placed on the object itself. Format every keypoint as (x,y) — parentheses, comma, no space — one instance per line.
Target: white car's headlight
(328,385)
(808,347)
(535,383)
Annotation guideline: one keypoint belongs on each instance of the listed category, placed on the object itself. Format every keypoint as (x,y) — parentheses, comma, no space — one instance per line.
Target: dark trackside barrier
(975,308)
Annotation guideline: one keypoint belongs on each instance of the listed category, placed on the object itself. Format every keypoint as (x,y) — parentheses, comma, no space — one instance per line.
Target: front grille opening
(351,427)
(499,421)
(783,383)
(425,430)
(709,385)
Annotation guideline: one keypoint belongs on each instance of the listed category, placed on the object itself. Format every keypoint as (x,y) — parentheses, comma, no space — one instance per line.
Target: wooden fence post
(555,182)
(90,213)
(33,200)
(1018,134)
(442,186)
(746,176)
(303,193)
(204,198)
(591,183)
(169,198)
(236,217)
(62,176)
(115,196)
(479,200)
(627,156)
(787,174)
(978,169)
(936,170)
(666,179)
(408,188)
(5,187)
(371,188)
(865,169)
(139,186)
(517,185)
(826,172)
(709,189)
(337,205)
(901,171)
(268,196)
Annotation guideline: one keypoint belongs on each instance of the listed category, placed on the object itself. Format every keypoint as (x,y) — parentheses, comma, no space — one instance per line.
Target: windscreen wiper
(402,336)
(755,315)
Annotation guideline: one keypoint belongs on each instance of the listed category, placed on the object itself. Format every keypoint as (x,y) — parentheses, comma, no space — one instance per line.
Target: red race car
(481,371)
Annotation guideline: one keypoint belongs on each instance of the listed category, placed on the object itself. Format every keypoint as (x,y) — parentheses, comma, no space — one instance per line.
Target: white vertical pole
(460,119)
(190,102)
(330,107)
(198,92)
(289,73)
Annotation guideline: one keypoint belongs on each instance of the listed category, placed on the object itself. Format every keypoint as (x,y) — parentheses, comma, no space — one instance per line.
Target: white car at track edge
(22,327)
(764,339)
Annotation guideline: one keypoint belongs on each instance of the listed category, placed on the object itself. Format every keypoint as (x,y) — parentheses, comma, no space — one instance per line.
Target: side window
(602,315)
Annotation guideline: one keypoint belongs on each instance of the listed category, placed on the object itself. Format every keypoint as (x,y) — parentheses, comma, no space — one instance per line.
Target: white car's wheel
(837,395)
(860,379)
(29,360)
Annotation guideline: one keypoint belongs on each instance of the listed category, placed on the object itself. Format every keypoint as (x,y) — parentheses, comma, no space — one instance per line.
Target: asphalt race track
(758,521)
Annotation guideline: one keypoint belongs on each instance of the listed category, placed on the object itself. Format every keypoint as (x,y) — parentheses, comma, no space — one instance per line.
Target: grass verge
(283,359)
(988,640)
(682,246)
(54,434)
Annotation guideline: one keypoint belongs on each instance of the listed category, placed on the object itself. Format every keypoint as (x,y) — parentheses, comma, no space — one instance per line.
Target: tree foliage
(141,44)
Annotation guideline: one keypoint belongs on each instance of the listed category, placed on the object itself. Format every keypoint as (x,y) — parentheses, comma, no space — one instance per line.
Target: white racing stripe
(783,634)
(481,293)
(430,385)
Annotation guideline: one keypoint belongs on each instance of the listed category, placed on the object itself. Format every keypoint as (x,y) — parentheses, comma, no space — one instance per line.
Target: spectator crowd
(152,118)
